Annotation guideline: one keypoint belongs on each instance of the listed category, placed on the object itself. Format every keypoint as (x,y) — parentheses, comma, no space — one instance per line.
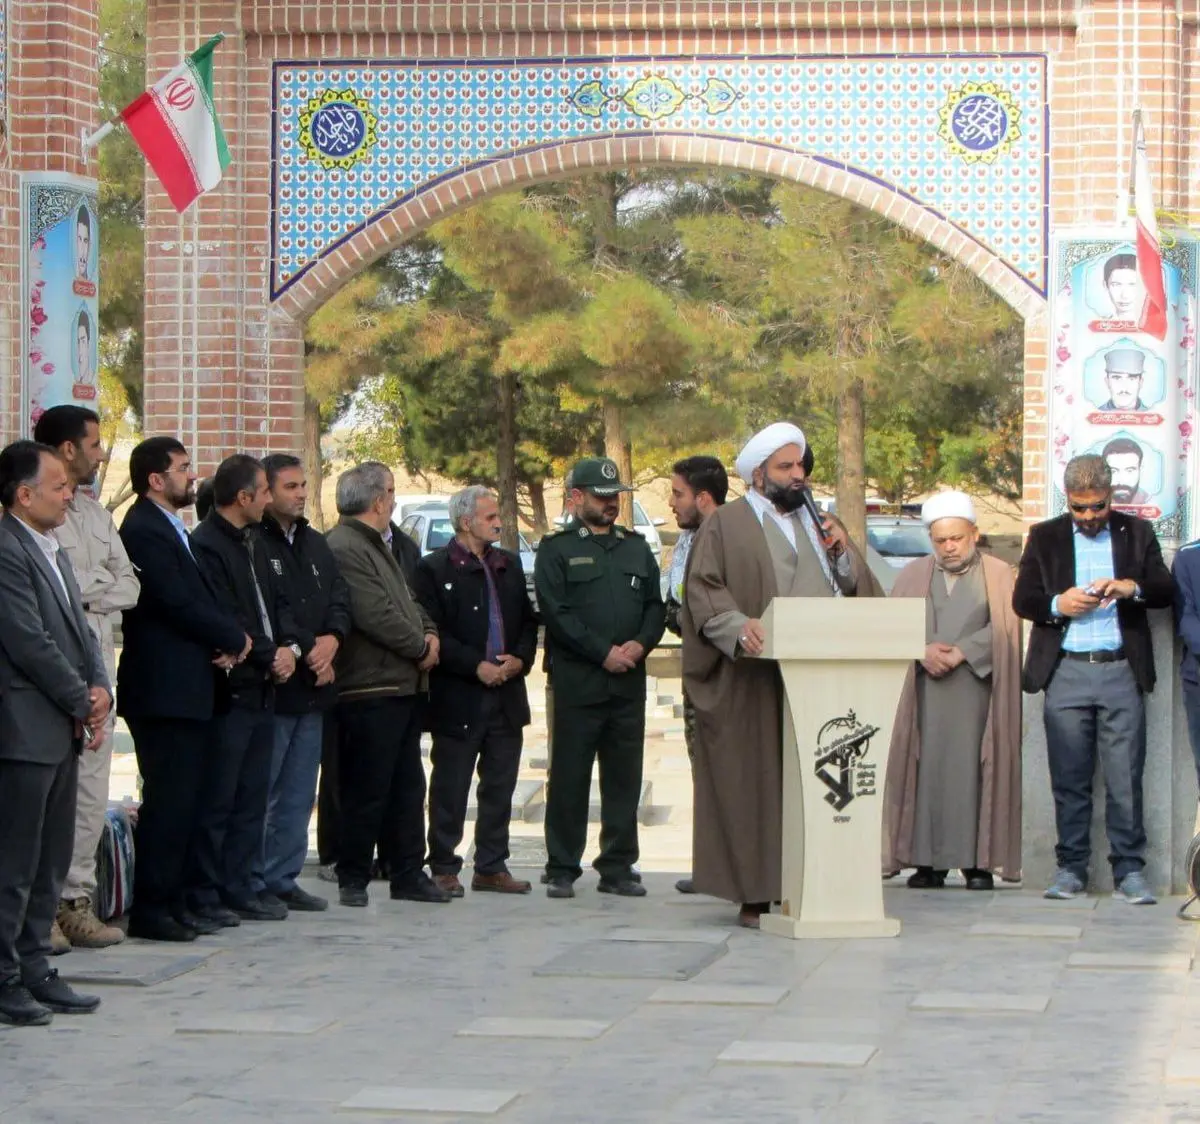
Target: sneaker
(327,872)
(56,995)
(353,896)
(78,922)
(58,941)
(559,888)
(19,1008)
(626,887)
(1133,890)
(302,901)
(1065,886)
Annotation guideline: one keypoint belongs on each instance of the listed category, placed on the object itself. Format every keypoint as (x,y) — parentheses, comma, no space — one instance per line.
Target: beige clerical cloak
(998,831)
(737,566)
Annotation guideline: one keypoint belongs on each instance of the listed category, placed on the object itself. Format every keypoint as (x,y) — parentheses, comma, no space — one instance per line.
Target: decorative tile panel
(963,136)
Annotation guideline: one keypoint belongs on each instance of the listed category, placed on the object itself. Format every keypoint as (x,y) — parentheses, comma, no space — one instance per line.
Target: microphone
(810,505)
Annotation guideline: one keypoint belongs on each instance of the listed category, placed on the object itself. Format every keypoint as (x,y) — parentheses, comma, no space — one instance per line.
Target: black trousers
(227,857)
(170,757)
(327,793)
(497,749)
(381,789)
(612,732)
(37,836)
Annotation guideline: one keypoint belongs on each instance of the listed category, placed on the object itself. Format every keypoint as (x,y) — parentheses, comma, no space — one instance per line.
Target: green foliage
(122,178)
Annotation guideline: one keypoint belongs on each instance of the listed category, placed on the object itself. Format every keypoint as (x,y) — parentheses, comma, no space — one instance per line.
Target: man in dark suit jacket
(1086,581)
(54,702)
(228,848)
(475,593)
(176,642)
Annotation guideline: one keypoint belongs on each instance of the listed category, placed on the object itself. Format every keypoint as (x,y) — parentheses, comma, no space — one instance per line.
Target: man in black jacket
(228,853)
(1086,581)
(320,604)
(166,683)
(475,593)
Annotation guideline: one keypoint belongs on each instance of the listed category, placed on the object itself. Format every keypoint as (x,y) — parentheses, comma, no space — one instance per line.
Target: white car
(406,505)
(892,543)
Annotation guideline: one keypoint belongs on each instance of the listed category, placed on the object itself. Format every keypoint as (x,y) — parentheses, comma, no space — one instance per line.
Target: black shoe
(545,879)
(353,895)
(627,886)
(56,995)
(222,917)
(559,887)
(685,886)
(421,889)
(255,909)
(926,878)
(979,879)
(160,928)
(302,901)
(204,926)
(19,1008)
(270,900)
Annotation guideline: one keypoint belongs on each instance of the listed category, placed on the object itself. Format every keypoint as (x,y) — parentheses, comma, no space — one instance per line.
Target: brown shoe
(81,926)
(58,942)
(450,883)
(502,883)
(750,913)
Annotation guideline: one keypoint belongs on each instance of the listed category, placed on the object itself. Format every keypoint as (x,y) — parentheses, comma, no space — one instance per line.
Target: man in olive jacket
(378,672)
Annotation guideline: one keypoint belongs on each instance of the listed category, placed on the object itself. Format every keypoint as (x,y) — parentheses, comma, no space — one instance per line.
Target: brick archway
(228,286)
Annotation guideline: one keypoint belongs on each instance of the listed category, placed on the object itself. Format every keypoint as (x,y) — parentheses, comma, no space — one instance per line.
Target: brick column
(222,372)
(52,97)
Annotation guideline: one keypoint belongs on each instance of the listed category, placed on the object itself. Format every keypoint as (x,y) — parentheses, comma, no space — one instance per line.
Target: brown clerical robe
(736,568)
(996,801)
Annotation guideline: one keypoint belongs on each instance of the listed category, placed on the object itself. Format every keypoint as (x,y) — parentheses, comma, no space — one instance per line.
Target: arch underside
(309,287)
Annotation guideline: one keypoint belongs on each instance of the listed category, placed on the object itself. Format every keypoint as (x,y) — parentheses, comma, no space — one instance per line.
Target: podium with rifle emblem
(843,663)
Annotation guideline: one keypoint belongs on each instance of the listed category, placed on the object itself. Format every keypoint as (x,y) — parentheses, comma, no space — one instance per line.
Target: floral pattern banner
(1119,392)
(59,317)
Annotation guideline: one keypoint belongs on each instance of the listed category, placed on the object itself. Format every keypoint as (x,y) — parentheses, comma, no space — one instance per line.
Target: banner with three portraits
(1118,391)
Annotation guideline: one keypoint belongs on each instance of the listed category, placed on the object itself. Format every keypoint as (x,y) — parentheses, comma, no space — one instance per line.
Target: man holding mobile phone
(1086,580)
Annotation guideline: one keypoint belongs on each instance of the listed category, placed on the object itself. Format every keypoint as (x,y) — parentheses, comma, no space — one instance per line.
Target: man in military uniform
(598,592)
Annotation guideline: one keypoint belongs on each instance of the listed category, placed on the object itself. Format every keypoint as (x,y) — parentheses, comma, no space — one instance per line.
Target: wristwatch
(295,650)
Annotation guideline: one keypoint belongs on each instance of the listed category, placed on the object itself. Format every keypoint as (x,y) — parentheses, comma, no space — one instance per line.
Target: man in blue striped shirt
(1086,581)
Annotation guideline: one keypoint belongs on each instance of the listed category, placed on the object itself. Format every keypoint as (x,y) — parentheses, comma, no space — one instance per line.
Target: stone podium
(843,663)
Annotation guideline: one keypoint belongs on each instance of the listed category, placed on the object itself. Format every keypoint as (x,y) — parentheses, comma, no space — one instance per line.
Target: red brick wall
(52,70)
(225,370)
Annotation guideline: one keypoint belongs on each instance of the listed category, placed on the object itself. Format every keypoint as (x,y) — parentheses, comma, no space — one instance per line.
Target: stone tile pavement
(988,1007)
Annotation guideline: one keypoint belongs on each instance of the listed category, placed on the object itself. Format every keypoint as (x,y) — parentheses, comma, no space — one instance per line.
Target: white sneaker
(1133,890)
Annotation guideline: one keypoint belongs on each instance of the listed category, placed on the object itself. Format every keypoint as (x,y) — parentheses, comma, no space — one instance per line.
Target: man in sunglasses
(1085,582)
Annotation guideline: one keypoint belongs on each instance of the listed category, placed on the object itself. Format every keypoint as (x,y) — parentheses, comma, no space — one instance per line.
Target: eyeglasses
(1082,508)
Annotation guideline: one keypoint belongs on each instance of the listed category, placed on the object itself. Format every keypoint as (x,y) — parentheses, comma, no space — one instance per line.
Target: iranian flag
(176,127)
(1149,251)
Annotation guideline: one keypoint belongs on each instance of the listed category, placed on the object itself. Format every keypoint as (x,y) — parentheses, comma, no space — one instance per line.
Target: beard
(959,565)
(182,497)
(786,497)
(1123,494)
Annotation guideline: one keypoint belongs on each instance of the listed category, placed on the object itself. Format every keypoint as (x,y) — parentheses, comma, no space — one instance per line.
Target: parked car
(429,527)
(892,543)
(643,524)
(406,505)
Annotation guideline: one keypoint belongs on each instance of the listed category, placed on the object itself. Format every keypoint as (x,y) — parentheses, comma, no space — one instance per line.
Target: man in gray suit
(54,700)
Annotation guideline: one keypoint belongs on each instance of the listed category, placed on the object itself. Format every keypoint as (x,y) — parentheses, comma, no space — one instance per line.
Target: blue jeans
(294,764)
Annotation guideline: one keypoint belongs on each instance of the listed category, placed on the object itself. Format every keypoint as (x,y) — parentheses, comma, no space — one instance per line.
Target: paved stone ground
(982,1009)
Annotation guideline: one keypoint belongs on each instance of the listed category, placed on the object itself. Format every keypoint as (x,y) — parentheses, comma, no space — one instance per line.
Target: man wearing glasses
(1086,580)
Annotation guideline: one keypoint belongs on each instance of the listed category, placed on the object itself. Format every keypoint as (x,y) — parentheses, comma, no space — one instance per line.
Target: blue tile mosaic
(964,136)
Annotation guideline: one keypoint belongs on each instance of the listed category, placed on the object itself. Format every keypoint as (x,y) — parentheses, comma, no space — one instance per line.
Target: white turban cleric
(947,505)
(765,443)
